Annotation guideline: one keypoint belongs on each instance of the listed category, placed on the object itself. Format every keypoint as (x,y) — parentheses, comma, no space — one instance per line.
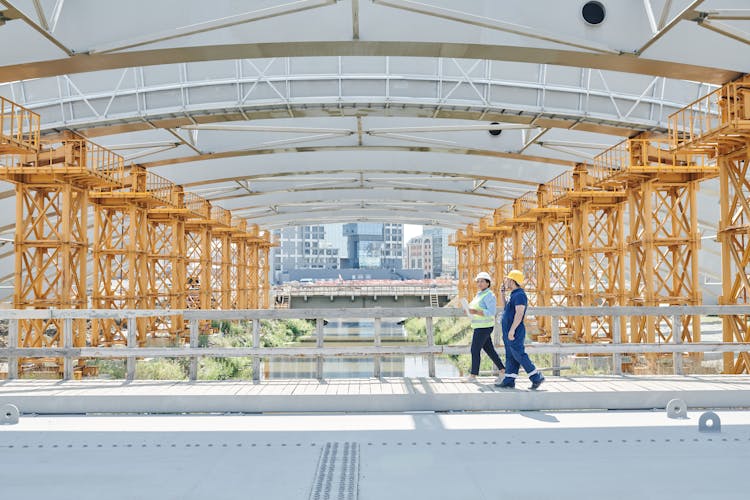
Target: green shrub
(160,369)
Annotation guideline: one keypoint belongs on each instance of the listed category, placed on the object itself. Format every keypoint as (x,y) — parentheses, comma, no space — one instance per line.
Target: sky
(410,231)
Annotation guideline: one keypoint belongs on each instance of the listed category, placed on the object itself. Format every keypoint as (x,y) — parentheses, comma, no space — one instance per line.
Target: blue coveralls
(515,352)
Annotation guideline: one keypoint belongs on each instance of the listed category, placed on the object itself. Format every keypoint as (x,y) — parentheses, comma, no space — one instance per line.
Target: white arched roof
(292,112)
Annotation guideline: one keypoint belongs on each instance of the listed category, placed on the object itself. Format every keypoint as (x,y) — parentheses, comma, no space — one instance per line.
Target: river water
(346,333)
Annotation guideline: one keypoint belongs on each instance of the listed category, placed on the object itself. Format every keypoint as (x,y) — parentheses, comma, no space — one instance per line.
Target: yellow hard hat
(516,276)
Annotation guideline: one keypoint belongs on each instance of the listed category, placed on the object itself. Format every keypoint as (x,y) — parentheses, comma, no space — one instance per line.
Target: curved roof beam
(443,220)
(81,63)
(271,175)
(457,197)
(186,160)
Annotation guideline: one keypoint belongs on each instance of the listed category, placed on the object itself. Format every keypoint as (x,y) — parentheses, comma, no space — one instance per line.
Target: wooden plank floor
(385,394)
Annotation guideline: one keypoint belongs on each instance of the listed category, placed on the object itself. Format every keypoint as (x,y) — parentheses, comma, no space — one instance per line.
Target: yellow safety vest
(478,320)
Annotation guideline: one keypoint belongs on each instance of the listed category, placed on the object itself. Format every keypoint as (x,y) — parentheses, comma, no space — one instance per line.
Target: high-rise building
(302,247)
(374,246)
(439,242)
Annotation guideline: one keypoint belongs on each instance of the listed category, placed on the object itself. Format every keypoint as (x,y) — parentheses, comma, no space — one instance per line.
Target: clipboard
(465,306)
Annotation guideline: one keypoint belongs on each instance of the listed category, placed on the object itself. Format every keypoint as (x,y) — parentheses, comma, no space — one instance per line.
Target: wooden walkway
(373,395)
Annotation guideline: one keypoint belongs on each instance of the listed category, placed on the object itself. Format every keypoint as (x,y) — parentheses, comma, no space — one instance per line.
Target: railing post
(319,343)
(256,345)
(677,338)
(430,344)
(132,343)
(193,373)
(616,340)
(376,361)
(12,344)
(68,345)
(556,343)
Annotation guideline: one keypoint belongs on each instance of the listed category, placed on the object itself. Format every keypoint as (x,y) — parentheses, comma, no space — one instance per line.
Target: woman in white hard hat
(483,309)
(514,332)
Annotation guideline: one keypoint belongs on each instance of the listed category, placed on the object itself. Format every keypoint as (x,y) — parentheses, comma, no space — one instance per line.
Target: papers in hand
(465,306)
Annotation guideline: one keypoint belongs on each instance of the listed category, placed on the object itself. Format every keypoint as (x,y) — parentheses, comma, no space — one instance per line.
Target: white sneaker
(500,377)
(469,378)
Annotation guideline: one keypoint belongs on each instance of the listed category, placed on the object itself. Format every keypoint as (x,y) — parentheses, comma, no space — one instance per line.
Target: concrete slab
(561,455)
(368,395)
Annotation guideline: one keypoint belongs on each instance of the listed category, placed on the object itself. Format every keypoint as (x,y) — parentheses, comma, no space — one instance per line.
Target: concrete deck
(536,455)
(373,395)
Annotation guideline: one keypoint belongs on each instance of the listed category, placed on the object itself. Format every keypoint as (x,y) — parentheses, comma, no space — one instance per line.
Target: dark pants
(482,339)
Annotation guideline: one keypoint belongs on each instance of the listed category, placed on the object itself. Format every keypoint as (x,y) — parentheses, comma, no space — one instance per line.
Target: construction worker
(514,332)
(483,309)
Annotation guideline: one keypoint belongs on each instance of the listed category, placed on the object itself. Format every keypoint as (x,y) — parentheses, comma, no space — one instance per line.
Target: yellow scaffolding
(52,188)
(121,251)
(718,126)
(167,265)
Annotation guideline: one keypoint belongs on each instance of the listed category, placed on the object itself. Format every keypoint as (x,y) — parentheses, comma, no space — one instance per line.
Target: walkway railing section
(338,290)
(19,127)
(617,348)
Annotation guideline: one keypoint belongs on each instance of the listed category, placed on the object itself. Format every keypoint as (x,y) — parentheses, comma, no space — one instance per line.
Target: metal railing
(525,203)
(197,205)
(617,348)
(160,188)
(80,153)
(699,121)
(338,290)
(221,215)
(19,126)
(559,187)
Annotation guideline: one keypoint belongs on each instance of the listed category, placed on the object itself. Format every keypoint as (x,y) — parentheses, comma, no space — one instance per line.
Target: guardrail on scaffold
(699,121)
(559,187)
(197,205)
(616,349)
(159,188)
(19,126)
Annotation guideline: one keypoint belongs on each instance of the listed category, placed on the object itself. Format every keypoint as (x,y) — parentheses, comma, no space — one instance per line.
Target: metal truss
(457,89)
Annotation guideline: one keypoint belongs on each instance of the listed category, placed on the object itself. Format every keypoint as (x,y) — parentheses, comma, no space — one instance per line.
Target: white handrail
(194,316)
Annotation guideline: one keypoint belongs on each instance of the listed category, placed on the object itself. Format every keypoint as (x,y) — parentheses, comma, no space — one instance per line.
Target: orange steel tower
(221,258)
(663,230)
(167,266)
(525,244)
(459,241)
(718,126)
(473,260)
(554,274)
(264,268)
(503,242)
(198,247)
(243,241)
(487,249)
(253,268)
(51,241)
(121,251)
(598,252)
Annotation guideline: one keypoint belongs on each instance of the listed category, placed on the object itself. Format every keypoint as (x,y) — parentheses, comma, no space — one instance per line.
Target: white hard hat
(483,276)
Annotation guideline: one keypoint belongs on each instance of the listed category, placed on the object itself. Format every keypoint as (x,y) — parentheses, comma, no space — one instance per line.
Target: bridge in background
(364,294)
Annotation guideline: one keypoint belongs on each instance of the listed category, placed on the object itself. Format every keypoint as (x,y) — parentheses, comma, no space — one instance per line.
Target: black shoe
(506,385)
(535,385)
